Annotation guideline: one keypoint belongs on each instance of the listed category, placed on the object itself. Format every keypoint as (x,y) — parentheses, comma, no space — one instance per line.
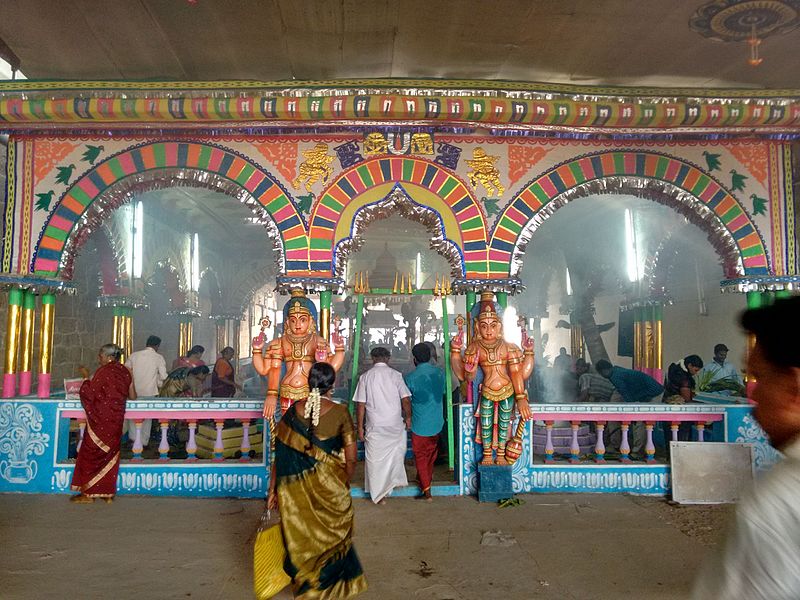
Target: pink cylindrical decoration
(9,385)
(600,447)
(43,385)
(191,445)
(163,446)
(25,383)
(624,447)
(245,449)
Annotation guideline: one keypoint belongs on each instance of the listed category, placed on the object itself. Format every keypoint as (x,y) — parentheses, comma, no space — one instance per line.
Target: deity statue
(505,369)
(298,348)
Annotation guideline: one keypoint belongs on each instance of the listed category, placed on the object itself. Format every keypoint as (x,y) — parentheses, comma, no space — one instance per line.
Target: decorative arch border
(401,203)
(409,172)
(222,169)
(655,175)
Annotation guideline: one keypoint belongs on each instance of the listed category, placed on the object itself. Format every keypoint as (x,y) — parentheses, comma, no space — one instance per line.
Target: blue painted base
(494,483)
(410,491)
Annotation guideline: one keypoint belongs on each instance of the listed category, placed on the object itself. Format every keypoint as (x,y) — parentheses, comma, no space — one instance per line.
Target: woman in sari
(184,382)
(103,398)
(223,384)
(193,358)
(315,456)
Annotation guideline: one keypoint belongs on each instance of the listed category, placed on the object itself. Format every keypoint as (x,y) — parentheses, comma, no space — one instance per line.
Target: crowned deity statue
(297,349)
(505,368)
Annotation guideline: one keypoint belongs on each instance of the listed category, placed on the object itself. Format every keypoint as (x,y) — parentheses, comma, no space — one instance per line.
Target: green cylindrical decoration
(15,296)
(754,300)
(448,382)
(471,297)
(783,294)
(325,298)
(29,301)
(356,348)
(658,312)
(48,299)
(118,311)
(502,299)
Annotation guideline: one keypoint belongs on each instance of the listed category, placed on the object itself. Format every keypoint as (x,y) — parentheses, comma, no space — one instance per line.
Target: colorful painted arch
(63,222)
(509,231)
(463,219)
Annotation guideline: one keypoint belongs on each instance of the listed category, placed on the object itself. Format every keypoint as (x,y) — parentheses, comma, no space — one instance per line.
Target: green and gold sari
(316,507)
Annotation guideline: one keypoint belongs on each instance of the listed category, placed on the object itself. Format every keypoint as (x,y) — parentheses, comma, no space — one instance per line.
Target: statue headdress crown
(487,307)
(298,304)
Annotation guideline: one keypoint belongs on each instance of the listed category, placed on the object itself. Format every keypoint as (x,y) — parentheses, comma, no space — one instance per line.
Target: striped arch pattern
(647,165)
(78,198)
(410,172)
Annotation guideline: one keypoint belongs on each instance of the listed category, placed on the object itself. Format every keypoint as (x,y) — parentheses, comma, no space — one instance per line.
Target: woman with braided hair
(315,457)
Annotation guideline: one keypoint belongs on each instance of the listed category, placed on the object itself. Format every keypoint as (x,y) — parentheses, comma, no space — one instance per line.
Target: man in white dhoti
(383,413)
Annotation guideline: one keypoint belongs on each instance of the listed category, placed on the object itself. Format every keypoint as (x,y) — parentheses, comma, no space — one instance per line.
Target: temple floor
(562,546)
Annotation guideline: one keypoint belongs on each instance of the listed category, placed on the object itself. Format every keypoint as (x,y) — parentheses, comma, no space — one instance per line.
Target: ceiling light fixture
(749,21)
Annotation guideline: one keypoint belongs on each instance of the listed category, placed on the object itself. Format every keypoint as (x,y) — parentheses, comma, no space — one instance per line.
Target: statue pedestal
(494,483)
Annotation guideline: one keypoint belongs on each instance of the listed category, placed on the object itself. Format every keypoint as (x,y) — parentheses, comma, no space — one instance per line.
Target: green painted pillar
(356,348)
(448,387)
(471,299)
(502,299)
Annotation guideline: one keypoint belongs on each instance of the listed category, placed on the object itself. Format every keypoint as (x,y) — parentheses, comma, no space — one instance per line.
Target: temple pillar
(26,343)
(502,299)
(471,298)
(13,326)
(46,329)
(185,334)
(577,349)
(122,332)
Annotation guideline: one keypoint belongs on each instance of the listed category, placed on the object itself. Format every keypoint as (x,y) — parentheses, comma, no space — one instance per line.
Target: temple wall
(745,183)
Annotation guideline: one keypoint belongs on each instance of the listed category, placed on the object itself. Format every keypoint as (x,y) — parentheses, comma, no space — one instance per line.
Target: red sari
(103,398)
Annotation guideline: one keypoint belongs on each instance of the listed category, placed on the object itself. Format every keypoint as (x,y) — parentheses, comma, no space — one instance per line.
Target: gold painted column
(576,341)
(26,343)
(184,335)
(122,334)
(325,314)
(13,325)
(46,329)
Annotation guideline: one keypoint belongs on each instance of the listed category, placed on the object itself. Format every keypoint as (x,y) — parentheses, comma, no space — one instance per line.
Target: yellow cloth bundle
(269,552)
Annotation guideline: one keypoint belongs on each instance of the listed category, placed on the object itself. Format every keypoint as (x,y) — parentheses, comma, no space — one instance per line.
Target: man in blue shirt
(427,385)
(633,386)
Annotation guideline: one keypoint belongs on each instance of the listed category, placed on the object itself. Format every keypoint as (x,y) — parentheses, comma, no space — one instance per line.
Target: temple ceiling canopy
(681,43)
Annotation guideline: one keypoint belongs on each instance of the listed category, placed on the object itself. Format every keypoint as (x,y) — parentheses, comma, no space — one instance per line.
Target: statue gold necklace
(299,344)
(491,351)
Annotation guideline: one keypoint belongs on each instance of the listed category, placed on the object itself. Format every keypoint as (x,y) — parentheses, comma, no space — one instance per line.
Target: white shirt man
(759,558)
(382,398)
(149,371)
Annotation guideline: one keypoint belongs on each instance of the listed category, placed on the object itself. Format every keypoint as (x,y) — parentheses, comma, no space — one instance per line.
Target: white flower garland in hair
(313,406)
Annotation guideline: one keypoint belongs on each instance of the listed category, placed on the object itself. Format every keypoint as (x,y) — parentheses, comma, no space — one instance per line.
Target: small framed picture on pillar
(72,388)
